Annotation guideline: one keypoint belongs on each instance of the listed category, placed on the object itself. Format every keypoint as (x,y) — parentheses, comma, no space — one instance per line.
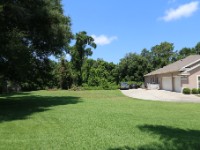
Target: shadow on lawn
(170,139)
(23,105)
(7,95)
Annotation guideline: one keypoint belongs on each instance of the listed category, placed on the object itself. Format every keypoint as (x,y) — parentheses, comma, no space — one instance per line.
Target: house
(184,73)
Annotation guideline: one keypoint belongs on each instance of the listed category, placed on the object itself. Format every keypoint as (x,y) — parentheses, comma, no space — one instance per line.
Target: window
(152,80)
(156,80)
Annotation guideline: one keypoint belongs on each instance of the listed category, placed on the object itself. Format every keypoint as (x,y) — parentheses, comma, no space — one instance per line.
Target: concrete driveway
(160,95)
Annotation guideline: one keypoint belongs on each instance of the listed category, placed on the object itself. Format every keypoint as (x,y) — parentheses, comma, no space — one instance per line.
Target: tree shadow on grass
(23,105)
(7,95)
(170,139)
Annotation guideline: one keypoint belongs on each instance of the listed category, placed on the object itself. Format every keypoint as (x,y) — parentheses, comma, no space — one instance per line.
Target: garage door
(177,84)
(167,83)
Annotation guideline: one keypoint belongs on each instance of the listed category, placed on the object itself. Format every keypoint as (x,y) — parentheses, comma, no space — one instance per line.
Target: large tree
(197,48)
(79,52)
(64,74)
(133,67)
(162,54)
(184,52)
(30,31)
(101,73)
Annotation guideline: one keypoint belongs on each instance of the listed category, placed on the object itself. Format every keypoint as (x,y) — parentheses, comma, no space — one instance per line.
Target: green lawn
(89,120)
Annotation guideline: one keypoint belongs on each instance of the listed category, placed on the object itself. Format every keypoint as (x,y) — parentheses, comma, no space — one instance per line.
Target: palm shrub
(195,91)
(186,91)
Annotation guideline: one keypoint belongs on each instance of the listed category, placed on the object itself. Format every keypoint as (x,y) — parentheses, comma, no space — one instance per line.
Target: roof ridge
(176,66)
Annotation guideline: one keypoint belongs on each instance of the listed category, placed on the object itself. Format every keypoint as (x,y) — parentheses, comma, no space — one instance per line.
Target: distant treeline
(99,74)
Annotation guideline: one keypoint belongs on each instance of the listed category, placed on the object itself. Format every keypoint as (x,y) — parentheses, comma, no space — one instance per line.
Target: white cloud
(103,39)
(185,10)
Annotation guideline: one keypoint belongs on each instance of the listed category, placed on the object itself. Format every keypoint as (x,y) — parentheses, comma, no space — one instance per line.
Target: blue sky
(123,26)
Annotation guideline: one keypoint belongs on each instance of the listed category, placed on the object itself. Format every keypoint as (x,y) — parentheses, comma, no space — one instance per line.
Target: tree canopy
(31,31)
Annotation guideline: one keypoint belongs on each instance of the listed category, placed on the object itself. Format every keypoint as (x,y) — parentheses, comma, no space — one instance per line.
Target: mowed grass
(90,120)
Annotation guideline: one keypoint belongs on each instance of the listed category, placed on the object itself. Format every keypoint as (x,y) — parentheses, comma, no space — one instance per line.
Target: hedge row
(191,91)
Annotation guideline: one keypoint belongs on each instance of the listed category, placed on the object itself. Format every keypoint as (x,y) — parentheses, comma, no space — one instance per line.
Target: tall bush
(186,91)
(199,90)
(195,91)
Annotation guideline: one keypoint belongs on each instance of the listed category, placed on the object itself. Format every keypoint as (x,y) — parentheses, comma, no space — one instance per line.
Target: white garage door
(167,83)
(177,84)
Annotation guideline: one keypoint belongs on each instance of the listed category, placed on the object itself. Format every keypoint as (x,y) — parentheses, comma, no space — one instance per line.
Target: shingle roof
(176,66)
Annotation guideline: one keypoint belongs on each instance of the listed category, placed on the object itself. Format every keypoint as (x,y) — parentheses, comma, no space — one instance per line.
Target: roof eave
(160,73)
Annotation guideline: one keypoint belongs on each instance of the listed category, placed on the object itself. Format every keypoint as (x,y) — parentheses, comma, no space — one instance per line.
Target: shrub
(30,86)
(105,86)
(75,88)
(194,91)
(199,90)
(186,91)
(113,86)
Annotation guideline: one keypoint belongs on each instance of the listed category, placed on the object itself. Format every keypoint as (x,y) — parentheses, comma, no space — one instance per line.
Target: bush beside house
(195,91)
(186,91)
(191,91)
